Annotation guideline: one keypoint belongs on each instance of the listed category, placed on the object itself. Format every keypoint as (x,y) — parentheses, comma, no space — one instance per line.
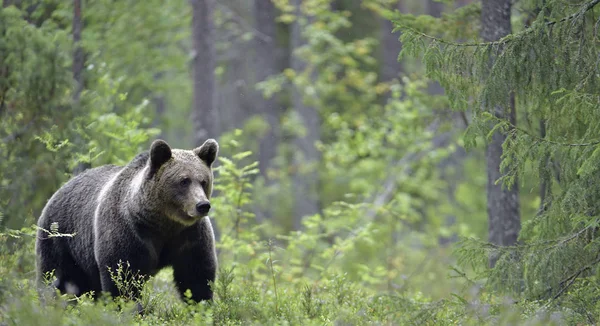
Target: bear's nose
(203,207)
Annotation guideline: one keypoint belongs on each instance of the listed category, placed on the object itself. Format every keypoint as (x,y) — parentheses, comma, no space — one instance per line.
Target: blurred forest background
(456,183)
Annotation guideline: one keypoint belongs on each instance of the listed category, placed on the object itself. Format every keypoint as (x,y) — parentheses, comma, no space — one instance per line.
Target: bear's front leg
(194,277)
(123,278)
(195,264)
(124,269)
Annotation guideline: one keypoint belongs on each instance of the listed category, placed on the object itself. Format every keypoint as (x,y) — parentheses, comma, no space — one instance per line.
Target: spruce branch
(567,282)
(511,37)
(542,245)
(544,140)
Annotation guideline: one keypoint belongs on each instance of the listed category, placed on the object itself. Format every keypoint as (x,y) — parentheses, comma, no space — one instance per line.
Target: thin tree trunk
(160,105)
(306,178)
(265,65)
(266,61)
(234,87)
(390,66)
(462,3)
(502,204)
(78,59)
(435,9)
(546,177)
(78,68)
(205,115)
(456,158)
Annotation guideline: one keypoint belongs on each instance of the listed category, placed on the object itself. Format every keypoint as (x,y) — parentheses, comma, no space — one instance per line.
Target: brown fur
(150,213)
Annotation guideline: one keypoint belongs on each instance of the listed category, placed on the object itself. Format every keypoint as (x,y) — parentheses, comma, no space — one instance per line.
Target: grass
(261,296)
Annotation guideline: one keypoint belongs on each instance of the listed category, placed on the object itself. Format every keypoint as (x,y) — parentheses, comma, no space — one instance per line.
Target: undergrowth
(336,270)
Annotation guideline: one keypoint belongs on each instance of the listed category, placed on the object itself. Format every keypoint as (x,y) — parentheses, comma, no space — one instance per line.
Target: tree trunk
(265,65)
(462,3)
(78,68)
(545,184)
(443,139)
(502,204)
(234,88)
(78,60)
(390,66)
(306,178)
(205,115)
(435,9)
(266,61)
(160,104)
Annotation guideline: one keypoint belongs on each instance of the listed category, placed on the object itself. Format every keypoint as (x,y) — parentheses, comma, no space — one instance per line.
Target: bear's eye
(203,183)
(185,182)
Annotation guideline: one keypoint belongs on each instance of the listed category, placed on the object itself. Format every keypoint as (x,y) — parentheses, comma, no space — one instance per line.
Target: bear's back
(76,194)
(74,204)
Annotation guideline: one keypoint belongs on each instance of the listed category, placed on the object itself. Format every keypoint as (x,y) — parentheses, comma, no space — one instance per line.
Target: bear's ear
(208,151)
(160,152)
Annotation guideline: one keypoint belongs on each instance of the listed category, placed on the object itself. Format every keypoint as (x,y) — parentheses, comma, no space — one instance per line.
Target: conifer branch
(545,140)
(571,279)
(545,245)
(587,7)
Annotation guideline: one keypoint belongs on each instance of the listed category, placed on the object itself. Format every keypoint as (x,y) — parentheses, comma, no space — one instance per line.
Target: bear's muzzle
(203,207)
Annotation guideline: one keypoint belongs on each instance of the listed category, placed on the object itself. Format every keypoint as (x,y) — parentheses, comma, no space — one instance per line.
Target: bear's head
(181,180)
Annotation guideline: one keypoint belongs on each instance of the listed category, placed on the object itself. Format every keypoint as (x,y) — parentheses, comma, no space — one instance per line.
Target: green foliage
(33,94)
(376,253)
(268,285)
(371,130)
(144,47)
(548,64)
(129,283)
(45,134)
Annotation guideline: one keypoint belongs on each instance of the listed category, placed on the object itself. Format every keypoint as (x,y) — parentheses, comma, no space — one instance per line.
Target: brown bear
(150,213)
